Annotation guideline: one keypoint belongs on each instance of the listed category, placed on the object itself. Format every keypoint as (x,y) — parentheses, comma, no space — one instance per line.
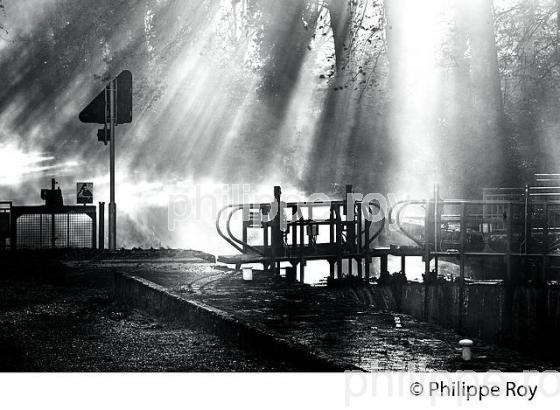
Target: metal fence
(5,224)
(38,227)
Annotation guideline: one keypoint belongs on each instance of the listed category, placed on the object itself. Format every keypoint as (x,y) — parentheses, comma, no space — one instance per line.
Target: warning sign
(84,193)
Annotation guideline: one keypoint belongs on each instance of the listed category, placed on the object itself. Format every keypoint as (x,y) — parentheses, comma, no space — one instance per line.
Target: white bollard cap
(466,343)
(247,273)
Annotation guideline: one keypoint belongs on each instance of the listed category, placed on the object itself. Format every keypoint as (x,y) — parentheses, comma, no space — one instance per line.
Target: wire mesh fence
(39,228)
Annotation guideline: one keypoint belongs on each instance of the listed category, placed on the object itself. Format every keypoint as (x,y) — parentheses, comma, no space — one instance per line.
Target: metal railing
(39,227)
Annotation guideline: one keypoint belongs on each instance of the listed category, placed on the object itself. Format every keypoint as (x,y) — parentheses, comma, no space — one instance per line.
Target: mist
(390,96)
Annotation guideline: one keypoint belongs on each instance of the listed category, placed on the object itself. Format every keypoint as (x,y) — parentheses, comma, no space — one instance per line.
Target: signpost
(111,107)
(84,193)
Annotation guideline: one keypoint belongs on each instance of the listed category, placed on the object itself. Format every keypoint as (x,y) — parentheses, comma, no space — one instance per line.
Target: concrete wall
(527,318)
(146,295)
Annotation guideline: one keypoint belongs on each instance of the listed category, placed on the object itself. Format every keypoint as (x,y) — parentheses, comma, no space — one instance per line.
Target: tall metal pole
(112,203)
(101,242)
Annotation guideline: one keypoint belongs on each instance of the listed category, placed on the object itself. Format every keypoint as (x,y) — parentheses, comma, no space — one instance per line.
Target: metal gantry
(506,234)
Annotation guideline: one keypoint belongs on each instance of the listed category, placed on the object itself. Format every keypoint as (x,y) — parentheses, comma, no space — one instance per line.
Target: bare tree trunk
(488,148)
(285,43)
(341,12)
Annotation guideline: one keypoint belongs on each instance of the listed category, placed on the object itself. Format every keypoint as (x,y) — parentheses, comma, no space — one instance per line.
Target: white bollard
(466,352)
(247,273)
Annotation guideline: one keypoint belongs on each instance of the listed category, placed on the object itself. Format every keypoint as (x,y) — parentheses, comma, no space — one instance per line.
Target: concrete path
(352,325)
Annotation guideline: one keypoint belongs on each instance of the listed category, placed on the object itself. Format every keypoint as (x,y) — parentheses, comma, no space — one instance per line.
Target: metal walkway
(521,232)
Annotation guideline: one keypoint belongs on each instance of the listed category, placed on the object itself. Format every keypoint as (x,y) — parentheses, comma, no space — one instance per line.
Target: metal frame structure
(525,229)
(295,239)
(42,227)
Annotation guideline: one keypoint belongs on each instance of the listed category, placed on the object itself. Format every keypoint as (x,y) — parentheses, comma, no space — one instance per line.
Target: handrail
(221,233)
(242,247)
(397,221)
(233,237)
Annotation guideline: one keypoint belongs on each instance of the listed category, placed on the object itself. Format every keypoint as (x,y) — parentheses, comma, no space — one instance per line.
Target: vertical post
(40,230)
(294,221)
(53,231)
(403,264)
(384,264)
(246,220)
(13,230)
(350,216)
(101,225)
(526,220)
(112,144)
(546,245)
(310,226)
(302,244)
(277,245)
(437,225)
(265,225)
(509,227)
(53,223)
(339,225)
(93,217)
(508,297)
(359,245)
(367,229)
(427,240)
(462,267)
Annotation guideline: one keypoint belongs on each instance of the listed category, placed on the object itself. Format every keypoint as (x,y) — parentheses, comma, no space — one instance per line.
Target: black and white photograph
(273,203)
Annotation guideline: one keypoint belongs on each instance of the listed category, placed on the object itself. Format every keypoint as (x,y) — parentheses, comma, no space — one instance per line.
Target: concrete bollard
(247,273)
(466,352)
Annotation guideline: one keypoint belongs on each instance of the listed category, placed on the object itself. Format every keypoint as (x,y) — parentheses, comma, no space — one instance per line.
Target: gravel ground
(53,319)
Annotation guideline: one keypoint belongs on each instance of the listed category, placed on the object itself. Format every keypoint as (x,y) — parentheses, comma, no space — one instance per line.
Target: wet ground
(59,318)
(348,324)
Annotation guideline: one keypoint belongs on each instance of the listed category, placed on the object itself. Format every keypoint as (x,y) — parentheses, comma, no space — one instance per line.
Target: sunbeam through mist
(390,96)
